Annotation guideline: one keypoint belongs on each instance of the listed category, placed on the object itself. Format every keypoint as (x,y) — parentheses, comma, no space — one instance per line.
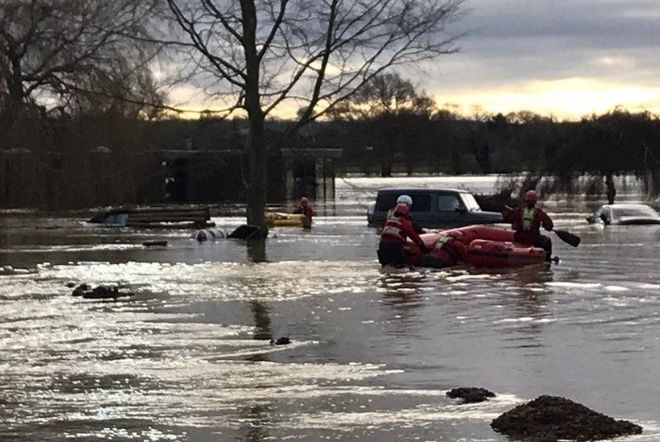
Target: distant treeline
(58,160)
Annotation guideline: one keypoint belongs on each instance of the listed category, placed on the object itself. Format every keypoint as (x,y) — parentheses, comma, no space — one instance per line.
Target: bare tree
(52,48)
(270,54)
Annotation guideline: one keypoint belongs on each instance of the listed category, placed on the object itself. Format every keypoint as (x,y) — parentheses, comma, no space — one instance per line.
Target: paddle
(568,237)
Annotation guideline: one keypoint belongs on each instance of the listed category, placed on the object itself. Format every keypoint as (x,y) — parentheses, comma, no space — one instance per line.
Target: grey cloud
(588,22)
(510,41)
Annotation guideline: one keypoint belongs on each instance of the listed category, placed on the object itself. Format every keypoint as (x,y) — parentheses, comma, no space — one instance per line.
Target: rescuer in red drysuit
(306,211)
(527,222)
(407,200)
(397,230)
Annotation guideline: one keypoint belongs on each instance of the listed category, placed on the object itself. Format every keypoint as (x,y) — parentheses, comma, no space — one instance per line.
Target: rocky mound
(550,418)
(470,395)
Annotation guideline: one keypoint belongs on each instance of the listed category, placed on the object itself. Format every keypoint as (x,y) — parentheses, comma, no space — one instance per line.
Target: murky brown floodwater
(372,354)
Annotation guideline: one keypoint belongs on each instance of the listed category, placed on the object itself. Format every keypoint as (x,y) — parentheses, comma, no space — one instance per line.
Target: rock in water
(81,289)
(551,418)
(284,340)
(99,292)
(470,395)
(102,292)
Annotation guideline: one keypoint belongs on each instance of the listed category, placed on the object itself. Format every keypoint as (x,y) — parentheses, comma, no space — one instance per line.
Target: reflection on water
(188,356)
(256,250)
(261,320)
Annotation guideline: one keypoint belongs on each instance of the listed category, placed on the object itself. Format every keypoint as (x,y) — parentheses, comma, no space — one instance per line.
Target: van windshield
(470,203)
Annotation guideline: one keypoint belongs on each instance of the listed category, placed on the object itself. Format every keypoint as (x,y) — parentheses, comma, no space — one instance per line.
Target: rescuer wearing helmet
(398,228)
(306,211)
(407,200)
(527,221)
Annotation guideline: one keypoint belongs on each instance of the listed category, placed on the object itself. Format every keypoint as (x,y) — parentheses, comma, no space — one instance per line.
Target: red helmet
(304,201)
(402,209)
(531,196)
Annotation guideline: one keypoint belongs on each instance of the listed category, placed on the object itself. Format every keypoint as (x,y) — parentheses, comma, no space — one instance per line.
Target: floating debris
(155,243)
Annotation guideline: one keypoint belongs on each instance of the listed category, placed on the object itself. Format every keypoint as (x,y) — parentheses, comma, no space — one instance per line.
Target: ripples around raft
(188,356)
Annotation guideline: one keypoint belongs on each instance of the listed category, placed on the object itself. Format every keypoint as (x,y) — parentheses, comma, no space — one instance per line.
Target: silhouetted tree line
(109,154)
(565,156)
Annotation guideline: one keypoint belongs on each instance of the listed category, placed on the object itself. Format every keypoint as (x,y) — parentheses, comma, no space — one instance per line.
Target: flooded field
(188,356)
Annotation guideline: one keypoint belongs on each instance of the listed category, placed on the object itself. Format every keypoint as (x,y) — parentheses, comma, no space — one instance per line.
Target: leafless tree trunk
(262,56)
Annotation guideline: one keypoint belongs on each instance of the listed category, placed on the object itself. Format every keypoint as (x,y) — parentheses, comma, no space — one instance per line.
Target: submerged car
(625,214)
(433,208)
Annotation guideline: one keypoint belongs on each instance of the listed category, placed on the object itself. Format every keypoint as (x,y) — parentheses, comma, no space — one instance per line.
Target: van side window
(421,202)
(448,203)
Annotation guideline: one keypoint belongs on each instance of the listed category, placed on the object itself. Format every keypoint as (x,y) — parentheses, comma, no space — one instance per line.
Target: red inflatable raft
(485,253)
(486,247)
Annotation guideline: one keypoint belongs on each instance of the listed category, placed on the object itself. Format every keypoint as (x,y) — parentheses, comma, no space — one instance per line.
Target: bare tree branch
(317,51)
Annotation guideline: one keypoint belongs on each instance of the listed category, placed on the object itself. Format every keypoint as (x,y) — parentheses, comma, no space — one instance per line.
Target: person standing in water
(408,201)
(398,228)
(305,209)
(527,221)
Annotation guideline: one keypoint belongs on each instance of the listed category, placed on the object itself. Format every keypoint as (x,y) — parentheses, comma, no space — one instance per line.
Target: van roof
(417,190)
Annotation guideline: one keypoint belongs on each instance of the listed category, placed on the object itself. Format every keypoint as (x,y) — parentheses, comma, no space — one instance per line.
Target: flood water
(372,353)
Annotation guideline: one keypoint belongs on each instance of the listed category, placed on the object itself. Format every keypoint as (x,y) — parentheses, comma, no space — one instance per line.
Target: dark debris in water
(155,243)
(99,292)
(284,340)
(470,395)
(550,418)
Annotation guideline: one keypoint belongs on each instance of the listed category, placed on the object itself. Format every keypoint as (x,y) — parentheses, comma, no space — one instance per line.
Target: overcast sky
(565,57)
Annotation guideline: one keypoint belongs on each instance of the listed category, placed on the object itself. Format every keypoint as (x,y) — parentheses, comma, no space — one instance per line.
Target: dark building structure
(220,175)
(184,162)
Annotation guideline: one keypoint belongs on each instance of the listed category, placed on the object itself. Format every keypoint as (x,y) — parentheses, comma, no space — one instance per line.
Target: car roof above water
(421,190)
(628,206)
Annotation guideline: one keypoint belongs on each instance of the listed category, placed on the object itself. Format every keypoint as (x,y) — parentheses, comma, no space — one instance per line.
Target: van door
(450,210)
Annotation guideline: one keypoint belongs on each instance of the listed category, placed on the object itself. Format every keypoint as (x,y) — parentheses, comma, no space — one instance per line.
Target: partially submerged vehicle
(433,208)
(625,214)
(175,216)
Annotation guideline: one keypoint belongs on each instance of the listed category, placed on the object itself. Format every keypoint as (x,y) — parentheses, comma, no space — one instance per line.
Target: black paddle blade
(568,237)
